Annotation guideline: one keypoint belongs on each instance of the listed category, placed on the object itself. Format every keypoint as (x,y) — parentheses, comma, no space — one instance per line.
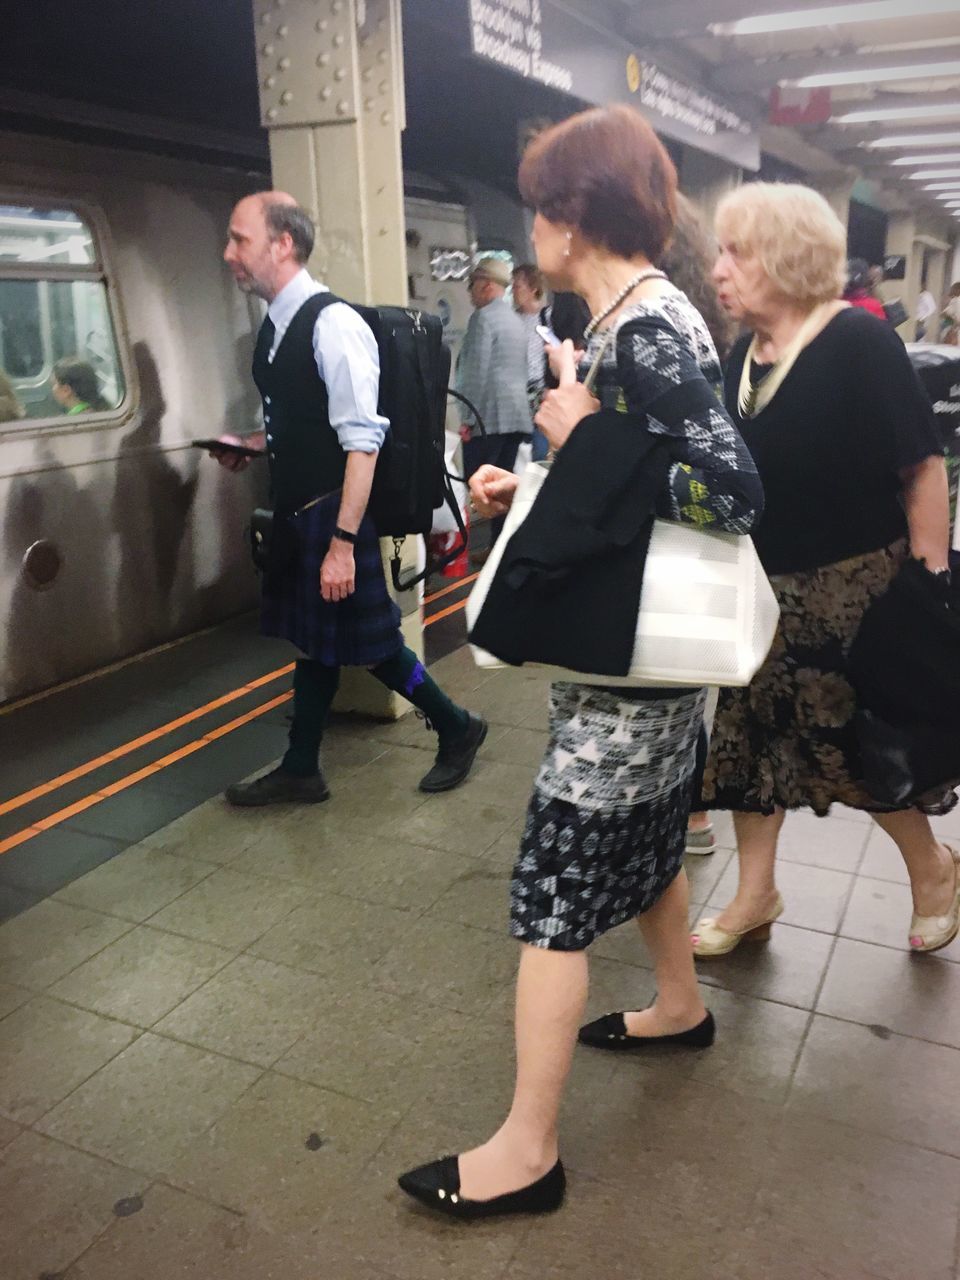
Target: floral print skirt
(788,739)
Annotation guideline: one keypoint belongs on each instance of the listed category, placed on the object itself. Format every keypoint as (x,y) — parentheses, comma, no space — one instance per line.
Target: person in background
(528,300)
(688,262)
(857,291)
(492,373)
(11,409)
(951,317)
(847,449)
(928,315)
(76,388)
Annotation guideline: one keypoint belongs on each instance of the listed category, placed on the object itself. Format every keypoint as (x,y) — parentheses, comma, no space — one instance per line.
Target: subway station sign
(544,41)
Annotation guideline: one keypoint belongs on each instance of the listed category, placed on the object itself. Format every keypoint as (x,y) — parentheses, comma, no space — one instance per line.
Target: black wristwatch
(344,536)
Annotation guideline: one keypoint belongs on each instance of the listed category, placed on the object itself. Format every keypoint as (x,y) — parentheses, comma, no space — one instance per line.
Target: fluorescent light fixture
(942,186)
(832,16)
(943,157)
(930,175)
(929,111)
(859,75)
(947,139)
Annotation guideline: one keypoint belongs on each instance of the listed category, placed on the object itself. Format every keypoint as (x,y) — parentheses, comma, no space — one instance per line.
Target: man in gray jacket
(492,374)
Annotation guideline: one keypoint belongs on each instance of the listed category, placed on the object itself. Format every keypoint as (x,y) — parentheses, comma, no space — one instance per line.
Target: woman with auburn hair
(844,440)
(606,824)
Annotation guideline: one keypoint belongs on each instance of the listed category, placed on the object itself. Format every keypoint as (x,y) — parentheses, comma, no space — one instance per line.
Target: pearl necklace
(638,279)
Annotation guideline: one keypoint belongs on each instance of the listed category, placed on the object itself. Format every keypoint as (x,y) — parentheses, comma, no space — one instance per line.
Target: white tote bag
(707,614)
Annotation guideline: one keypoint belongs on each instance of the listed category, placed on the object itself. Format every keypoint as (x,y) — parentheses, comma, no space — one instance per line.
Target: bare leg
(756,896)
(666,931)
(551,996)
(929,864)
(699,821)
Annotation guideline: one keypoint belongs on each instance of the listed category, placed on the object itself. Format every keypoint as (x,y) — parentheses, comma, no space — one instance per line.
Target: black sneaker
(278,787)
(455,757)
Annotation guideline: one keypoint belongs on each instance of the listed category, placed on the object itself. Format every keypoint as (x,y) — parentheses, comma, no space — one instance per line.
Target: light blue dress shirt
(347,360)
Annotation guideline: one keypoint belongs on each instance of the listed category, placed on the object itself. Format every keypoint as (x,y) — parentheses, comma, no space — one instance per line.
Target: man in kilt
(317,369)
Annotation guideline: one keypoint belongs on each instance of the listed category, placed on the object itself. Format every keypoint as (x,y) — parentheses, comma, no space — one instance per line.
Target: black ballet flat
(610,1032)
(437,1185)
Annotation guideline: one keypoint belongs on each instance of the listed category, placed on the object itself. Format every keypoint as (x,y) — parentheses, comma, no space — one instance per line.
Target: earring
(566,252)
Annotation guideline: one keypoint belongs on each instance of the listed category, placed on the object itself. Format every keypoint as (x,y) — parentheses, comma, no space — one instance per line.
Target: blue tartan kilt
(362,630)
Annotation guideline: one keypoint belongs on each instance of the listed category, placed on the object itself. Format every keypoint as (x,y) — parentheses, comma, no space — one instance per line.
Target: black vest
(303,450)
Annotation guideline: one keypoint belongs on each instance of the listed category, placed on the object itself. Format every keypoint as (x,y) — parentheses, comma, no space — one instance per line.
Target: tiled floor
(219,1046)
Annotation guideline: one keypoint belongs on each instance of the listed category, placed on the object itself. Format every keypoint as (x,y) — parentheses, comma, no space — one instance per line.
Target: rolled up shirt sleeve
(349,364)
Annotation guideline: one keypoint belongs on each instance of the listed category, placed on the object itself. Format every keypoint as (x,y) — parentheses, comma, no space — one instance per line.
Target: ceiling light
(929,111)
(929,175)
(944,157)
(832,16)
(859,75)
(942,186)
(918,140)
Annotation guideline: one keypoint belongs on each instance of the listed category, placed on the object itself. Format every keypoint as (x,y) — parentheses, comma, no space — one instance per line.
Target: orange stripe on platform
(454,586)
(114,788)
(45,788)
(445,613)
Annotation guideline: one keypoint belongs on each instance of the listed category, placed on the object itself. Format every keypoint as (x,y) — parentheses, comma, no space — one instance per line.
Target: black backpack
(411,479)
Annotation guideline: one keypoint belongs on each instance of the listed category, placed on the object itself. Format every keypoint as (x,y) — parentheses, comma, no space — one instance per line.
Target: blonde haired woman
(843,437)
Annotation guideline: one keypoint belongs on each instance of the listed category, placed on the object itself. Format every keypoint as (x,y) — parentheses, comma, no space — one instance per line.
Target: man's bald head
(270,238)
(284,216)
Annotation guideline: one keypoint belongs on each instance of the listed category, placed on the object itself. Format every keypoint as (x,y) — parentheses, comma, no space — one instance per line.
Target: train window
(58,348)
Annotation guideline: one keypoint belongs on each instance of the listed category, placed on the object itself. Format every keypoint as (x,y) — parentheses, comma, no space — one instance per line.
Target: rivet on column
(282,32)
(272,113)
(338,41)
(324,94)
(268,50)
(286,98)
(340,74)
(270,82)
(284,64)
(343,108)
(322,24)
(323,60)
(385,117)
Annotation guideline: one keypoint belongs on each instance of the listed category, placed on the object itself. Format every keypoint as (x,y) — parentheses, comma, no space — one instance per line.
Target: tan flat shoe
(710,940)
(931,933)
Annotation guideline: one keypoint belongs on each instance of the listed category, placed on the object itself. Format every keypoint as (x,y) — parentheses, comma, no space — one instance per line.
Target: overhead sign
(543,41)
(510,33)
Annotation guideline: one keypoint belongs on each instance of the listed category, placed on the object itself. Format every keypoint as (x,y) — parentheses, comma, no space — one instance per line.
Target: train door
(439,256)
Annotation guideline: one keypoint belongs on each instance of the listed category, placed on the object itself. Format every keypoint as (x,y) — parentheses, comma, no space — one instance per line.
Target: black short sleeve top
(848,417)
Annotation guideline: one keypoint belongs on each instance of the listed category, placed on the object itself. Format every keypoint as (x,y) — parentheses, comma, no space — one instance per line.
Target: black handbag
(273,541)
(903,665)
(261,536)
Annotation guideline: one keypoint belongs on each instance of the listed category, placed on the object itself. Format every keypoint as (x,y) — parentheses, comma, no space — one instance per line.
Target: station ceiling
(893,68)
(887,72)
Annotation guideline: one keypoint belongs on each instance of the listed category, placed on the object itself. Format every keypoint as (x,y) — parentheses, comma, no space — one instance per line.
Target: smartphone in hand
(547,335)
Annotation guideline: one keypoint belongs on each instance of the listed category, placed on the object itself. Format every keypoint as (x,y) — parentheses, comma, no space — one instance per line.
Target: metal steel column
(331,95)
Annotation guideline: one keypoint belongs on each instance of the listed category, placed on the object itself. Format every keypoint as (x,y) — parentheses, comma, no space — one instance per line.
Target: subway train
(118,535)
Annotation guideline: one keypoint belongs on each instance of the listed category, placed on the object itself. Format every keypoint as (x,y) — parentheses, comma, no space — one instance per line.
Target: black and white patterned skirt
(606,825)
